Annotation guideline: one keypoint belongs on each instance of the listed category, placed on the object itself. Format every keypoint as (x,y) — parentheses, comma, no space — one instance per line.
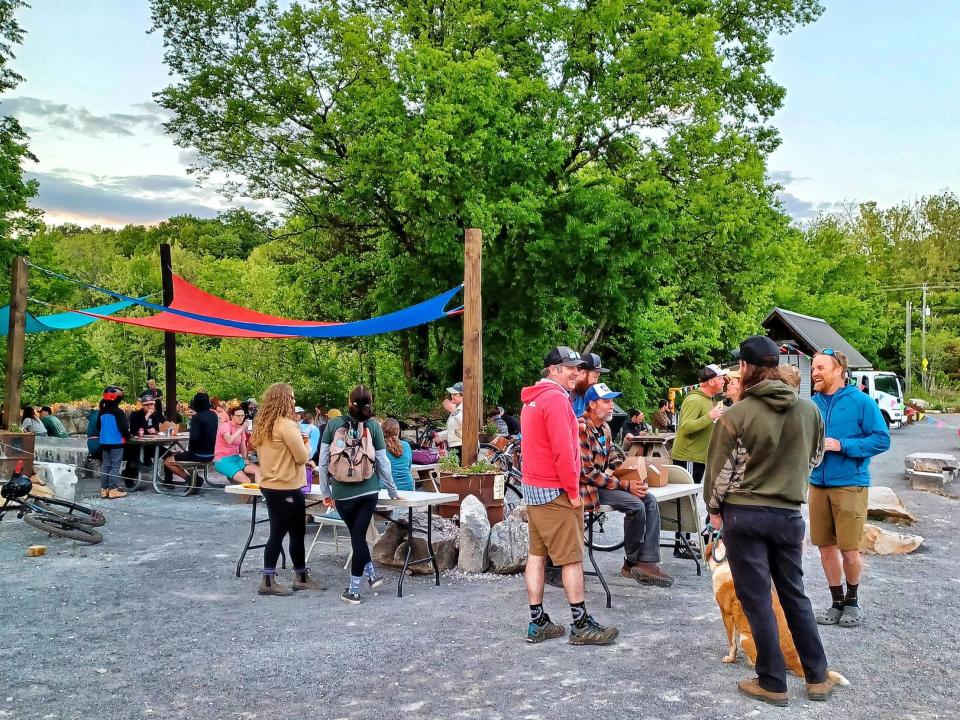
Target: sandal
(830,616)
(852,616)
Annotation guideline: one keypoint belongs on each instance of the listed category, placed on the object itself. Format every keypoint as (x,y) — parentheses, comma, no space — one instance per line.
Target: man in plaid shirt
(598,486)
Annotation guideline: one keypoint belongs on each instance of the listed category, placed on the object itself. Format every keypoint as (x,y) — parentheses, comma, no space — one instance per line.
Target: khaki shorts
(837,515)
(556,529)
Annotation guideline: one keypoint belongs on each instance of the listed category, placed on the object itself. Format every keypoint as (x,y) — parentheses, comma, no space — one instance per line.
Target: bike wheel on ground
(607,532)
(176,485)
(61,527)
(71,511)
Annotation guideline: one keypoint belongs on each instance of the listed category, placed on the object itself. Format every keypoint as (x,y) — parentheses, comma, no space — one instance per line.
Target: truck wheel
(886,419)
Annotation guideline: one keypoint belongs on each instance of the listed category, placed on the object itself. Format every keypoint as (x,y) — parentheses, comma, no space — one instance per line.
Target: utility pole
(472,346)
(15,342)
(909,359)
(923,340)
(169,338)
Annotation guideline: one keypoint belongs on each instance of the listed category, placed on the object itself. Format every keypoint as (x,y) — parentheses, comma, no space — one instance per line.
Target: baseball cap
(600,391)
(147,398)
(592,362)
(298,409)
(333,412)
(563,356)
(760,350)
(709,372)
(112,392)
(456,388)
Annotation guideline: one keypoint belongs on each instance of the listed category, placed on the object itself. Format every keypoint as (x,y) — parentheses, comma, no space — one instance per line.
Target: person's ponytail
(361,403)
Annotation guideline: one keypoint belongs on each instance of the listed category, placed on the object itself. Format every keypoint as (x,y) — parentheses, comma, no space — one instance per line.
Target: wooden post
(169,338)
(16,331)
(472,346)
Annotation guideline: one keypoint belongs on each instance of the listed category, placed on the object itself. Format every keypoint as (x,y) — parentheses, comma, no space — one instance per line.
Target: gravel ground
(154,624)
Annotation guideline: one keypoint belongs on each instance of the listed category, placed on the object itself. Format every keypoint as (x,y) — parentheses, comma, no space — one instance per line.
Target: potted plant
(482,480)
(16,445)
(488,432)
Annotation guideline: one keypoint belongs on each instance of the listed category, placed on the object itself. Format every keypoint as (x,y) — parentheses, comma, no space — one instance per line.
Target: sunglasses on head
(828,351)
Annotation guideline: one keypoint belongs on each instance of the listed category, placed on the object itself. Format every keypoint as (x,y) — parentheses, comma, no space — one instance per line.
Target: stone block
(942,483)
(509,541)
(931,462)
(883,504)
(877,541)
(474,536)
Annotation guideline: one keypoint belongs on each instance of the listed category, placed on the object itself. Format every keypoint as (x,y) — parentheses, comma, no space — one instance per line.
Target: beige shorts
(556,529)
(837,515)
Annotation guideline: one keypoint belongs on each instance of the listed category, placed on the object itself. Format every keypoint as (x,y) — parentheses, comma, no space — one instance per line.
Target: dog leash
(711,536)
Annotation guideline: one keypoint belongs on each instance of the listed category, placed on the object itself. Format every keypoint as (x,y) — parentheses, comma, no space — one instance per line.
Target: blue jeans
(110,468)
(764,543)
(641,524)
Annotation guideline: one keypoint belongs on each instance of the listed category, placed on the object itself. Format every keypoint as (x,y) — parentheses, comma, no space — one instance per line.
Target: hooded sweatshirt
(551,440)
(695,428)
(763,449)
(854,419)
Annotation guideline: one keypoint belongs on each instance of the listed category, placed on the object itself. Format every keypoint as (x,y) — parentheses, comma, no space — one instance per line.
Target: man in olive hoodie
(759,459)
(697,415)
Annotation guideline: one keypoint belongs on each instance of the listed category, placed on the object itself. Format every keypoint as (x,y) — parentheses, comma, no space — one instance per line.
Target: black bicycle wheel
(68,510)
(176,485)
(57,525)
(607,532)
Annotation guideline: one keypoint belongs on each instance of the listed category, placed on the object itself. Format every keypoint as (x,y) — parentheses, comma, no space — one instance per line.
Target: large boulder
(877,541)
(386,547)
(391,548)
(933,472)
(931,462)
(474,536)
(883,504)
(509,541)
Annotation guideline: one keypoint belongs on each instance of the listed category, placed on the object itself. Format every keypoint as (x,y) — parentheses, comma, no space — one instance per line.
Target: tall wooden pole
(472,346)
(16,331)
(169,338)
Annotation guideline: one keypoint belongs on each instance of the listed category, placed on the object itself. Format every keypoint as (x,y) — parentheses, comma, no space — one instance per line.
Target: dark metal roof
(811,335)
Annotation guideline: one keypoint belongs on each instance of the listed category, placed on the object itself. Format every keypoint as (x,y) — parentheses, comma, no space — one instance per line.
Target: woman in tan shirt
(283,454)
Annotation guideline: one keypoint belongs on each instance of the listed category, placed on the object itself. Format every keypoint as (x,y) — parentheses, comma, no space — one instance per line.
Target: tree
(16,216)
(606,150)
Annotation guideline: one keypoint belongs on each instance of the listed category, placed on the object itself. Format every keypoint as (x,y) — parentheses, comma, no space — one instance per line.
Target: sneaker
(593,633)
(114,493)
(306,582)
(350,597)
(375,581)
(820,691)
(650,574)
(751,688)
(548,631)
(269,586)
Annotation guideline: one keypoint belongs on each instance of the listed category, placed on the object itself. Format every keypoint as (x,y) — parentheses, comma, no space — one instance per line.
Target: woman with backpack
(353,456)
(283,455)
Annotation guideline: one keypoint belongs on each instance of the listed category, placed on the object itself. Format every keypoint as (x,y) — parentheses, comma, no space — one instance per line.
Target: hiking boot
(820,691)
(375,581)
(350,597)
(548,631)
(593,633)
(830,616)
(650,574)
(751,688)
(303,581)
(270,586)
(114,493)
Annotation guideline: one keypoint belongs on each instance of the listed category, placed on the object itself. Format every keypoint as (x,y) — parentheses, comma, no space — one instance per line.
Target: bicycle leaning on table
(54,516)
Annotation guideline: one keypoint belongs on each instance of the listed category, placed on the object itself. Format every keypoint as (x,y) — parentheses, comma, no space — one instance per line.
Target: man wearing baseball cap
(592,369)
(551,489)
(454,435)
(697,415)
(599,486)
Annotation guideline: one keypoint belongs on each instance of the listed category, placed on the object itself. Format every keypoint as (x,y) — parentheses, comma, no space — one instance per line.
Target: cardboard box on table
(650,469)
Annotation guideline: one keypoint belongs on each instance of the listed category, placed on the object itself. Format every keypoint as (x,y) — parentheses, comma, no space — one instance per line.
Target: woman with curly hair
(283,454)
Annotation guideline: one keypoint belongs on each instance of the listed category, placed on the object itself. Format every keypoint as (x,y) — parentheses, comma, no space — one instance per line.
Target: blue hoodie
(855,420)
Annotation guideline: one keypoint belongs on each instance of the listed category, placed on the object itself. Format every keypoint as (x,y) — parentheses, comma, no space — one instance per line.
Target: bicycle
(607,530)
(53,516)
(508,461)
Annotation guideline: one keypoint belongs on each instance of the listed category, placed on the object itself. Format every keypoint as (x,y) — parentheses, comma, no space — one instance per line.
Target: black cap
(592,362)
(563,356)
(760,350)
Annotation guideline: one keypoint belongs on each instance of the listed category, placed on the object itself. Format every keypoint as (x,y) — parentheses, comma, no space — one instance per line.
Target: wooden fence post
(472,346)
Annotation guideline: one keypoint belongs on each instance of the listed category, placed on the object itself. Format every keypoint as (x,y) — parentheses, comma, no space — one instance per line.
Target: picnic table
(650,445)
(672,492)
(162,445)
(406,499)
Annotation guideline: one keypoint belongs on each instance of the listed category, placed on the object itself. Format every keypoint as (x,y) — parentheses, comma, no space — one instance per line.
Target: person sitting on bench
(599,486)
(203,437)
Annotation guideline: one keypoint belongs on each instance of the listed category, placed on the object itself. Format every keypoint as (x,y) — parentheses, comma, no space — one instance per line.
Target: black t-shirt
(139,419)
(203,432)
(513,425)
(632,428)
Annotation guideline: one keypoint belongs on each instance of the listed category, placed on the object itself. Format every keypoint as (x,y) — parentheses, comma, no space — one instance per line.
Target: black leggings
(287,512)
(357,513)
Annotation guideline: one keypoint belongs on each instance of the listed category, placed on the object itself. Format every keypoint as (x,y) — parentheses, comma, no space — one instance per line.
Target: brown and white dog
(735,621)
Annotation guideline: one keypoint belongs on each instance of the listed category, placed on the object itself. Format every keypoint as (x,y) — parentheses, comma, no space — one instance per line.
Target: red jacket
(551,440)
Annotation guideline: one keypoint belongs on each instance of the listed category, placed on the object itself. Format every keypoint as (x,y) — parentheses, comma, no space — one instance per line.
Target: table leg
(406,560)
(593,560)
(156,465)
(253,528)
(684,539)
(433,558)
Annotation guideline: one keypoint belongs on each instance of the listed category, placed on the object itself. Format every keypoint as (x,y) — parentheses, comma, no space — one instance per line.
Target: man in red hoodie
(551,489)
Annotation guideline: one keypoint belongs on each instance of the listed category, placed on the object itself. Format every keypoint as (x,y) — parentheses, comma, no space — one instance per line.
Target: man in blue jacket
(855,432)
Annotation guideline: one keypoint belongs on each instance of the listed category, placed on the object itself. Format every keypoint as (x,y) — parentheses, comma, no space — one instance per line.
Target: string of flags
(941,425)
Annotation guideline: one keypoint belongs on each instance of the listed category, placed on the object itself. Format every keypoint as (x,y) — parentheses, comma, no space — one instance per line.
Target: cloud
(784,177)
(109,201)
(803,210)
(82,121)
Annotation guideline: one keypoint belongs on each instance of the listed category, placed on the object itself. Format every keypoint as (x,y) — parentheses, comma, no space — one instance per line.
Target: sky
(868,116)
